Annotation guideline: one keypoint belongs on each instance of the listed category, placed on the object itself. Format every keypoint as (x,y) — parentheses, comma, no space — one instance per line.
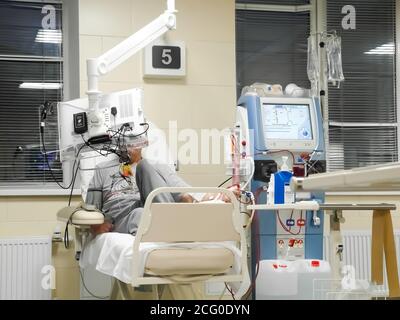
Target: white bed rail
(201,221)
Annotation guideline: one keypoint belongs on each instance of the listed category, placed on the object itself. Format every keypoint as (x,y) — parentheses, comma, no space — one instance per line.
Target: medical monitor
(289,124)
(129,109)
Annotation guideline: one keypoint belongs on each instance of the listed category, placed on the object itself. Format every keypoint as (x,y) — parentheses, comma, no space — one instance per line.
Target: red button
(244,143)
(315,263)
(275,266)
(301,223)
(292,242)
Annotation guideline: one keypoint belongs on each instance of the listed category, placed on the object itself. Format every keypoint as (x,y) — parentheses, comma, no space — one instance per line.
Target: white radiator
(357,253)
(21,265)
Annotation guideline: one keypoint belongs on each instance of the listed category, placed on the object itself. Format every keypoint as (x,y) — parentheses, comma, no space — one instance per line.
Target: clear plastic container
(290,280)
(328,289)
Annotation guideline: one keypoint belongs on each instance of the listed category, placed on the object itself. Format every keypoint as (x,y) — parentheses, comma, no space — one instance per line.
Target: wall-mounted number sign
(166,57)
(163,59)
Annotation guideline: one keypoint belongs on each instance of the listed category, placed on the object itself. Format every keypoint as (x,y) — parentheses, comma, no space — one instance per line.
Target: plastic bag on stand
(313,70)
(334,60)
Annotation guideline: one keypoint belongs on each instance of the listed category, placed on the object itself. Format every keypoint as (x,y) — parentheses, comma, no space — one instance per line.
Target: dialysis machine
(283,134)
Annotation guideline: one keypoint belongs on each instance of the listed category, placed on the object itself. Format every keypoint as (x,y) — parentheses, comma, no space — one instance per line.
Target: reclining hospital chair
(177,244)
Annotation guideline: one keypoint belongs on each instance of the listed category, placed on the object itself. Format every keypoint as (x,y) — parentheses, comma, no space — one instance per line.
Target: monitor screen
(287,122)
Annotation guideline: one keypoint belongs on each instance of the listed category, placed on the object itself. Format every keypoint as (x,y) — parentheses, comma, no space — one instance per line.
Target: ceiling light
(388,48)
(41,85)
(49,36)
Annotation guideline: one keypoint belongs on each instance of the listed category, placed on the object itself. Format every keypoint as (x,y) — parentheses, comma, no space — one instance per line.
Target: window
(363,124)
(271,47)
(31,52)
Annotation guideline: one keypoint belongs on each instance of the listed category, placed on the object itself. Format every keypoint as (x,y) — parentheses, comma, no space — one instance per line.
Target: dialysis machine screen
(287,122)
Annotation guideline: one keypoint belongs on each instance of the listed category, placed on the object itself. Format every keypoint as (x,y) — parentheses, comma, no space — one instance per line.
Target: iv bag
(313,61)
(334,59)
(313,70)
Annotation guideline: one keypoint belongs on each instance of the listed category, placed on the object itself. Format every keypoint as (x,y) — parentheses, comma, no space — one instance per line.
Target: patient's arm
(95,197)
(101,228)
(94,194)
(222,196)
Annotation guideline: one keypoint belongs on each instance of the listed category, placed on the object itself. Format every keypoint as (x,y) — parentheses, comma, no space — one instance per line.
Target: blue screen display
(287,122)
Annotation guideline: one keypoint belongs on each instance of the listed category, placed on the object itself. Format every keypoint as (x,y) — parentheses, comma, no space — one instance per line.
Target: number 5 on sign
(164,59)
(166,56)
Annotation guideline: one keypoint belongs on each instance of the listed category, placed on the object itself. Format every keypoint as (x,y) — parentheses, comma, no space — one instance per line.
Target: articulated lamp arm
(126,49)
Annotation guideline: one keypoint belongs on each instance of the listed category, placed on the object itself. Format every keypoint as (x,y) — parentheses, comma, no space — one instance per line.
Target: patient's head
(135,154)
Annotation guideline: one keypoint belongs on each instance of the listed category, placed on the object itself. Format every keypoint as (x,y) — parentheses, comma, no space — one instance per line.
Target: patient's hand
(101,228)
(186,198)
(222,196)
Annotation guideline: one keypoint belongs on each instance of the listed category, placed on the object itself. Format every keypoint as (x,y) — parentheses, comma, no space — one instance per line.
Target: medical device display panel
(287,122)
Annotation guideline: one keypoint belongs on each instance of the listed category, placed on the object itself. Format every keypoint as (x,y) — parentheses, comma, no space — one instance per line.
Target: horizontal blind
(367,97)
(271,47)
(24,59)
(21,29)
(368,151)
(275,2)
(21,158)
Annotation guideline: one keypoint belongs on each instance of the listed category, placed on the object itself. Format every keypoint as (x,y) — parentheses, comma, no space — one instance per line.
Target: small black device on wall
(80,123)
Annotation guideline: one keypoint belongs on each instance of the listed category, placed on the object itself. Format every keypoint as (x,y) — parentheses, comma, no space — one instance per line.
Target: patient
(120,191)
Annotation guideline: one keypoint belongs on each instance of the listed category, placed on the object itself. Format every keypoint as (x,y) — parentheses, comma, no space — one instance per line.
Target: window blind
(362,113)
(22,32)
(271,47)
(28,55)
(276,2)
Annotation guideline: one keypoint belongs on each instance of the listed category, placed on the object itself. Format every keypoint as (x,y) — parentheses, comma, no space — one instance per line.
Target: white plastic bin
(290,280)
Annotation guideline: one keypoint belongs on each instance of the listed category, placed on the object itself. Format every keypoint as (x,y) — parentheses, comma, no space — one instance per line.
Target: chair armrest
(80,216)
